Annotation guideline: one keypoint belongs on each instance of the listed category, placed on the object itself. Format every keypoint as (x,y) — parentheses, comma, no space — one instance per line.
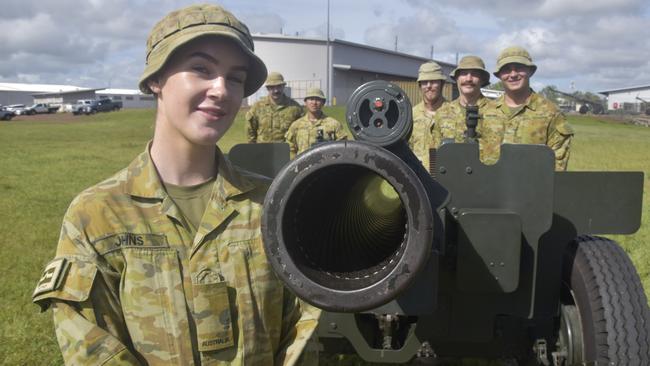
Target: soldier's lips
(212,113)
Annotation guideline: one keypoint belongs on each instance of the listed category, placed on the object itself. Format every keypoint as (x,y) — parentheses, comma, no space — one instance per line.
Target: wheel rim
(570,343)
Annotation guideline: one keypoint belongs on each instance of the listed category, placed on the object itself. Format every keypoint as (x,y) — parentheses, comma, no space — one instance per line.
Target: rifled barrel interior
(345,227)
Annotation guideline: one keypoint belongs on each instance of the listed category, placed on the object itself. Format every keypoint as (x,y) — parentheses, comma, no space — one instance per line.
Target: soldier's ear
(154,84)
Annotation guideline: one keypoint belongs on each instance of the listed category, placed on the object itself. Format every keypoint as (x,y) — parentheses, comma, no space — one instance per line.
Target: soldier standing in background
(450,121)
(269,119)
(522,116)
(431,81)
(163,263)
(470,76)
(314,126)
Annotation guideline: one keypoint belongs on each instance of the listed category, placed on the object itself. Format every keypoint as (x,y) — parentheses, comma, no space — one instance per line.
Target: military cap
(514,54)
(472,63)
(184,25)
(275,78)
(315,93)
(430,71)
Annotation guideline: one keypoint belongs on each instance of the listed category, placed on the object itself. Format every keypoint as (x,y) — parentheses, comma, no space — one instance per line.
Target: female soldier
(163,262)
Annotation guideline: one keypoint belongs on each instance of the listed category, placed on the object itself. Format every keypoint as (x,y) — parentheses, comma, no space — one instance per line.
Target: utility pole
(395,43)
(431,52)
(329,63)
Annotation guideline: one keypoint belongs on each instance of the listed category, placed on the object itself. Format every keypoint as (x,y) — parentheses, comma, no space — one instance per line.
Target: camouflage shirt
(451,123)
(421,139)
(130,285)
(538,121)
(303,133)
(269,122)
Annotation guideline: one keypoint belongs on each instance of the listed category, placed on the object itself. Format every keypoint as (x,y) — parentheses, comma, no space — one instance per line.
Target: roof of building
(110,91)
(81,90)
(630,88)
(38,88)
(347,43)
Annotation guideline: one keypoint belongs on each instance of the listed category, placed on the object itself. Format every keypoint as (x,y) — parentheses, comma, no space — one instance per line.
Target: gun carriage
(459,260)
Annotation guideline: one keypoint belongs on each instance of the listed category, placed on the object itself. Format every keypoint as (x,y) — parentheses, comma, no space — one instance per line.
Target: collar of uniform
(229,182)
(482,101)
(143,180)
(499,102)
(317,120)
(531,101)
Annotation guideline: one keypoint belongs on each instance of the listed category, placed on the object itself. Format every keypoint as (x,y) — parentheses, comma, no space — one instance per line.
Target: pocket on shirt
(153,301)
(533,131)
(302,139)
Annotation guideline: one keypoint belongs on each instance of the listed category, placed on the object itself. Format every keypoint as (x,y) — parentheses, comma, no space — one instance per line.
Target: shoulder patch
(52,276)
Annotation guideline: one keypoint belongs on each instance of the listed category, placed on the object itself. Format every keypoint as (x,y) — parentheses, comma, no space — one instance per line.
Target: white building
(337,67)
(635,99)
(20,93)
(66,95)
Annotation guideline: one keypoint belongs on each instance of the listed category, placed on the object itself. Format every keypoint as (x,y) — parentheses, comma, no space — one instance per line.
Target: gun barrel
(347,226)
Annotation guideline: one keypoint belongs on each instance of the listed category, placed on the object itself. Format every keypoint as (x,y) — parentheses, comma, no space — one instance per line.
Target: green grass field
(43,165)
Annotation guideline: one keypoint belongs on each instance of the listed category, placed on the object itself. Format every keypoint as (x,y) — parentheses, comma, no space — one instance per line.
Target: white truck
(40,108)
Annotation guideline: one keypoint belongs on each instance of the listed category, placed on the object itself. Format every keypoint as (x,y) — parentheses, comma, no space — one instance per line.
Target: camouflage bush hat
(472,63)
(275,78)
(315,93)
(430,71)
(514,54)
(184,25)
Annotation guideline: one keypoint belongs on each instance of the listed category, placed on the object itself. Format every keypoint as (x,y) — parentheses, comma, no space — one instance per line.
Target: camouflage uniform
(450,123)
(130,285)
(421,139)
(267,121)
(538,121)
(303,133)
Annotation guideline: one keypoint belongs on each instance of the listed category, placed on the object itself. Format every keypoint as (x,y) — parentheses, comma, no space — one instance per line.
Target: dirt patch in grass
(53,117)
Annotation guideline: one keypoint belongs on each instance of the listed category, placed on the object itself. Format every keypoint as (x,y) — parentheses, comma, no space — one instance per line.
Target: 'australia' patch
(52,275)
(130,240)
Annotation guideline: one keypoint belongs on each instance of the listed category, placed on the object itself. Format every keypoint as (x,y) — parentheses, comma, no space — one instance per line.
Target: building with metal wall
(65,98)
(65,95)
(22,93)
(306,62)
(635,99)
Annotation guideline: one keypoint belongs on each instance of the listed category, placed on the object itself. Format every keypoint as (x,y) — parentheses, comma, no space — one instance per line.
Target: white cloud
(597,43)
(417,33)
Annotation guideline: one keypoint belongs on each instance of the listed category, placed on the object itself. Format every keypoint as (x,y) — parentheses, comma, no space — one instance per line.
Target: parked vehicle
(6,115)
(41,108)
(18,109)
(90,106)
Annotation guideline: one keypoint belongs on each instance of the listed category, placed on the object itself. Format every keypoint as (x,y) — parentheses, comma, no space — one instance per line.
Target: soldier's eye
(200,69)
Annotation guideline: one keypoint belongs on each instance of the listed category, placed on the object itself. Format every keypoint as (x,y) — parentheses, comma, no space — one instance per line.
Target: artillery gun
(646,105)
(415,265)
(587,105)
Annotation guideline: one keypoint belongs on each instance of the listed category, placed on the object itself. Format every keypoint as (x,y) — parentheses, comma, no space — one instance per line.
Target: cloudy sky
(590,45)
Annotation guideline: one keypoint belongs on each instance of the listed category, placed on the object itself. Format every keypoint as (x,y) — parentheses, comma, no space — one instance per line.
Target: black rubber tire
(613,308)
